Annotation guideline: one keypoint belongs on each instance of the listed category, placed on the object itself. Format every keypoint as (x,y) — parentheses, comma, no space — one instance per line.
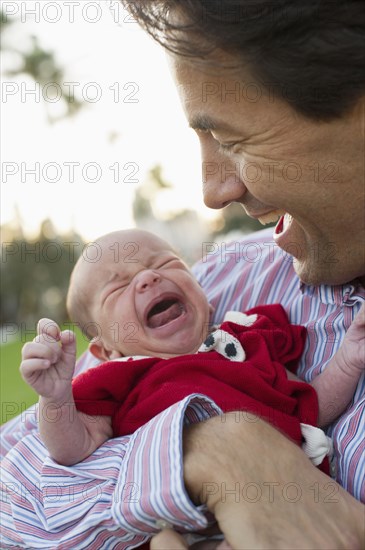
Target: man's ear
(98,350)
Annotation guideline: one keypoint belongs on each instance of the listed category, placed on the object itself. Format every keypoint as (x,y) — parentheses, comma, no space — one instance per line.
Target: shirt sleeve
(13,431)
(112,499)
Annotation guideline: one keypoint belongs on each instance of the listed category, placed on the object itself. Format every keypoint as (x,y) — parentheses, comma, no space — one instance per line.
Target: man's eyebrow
(203,122)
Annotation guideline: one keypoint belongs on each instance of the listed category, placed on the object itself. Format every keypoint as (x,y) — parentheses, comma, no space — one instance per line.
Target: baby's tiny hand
(49,361)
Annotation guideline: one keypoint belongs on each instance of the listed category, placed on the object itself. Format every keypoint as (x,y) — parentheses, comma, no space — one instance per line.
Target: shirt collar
(348,294)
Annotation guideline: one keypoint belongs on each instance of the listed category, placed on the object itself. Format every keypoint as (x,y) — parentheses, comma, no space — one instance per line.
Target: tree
(42,67)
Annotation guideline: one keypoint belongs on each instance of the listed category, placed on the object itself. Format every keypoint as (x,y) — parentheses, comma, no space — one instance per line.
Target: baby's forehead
(130,244)
(130,253)
(118,257)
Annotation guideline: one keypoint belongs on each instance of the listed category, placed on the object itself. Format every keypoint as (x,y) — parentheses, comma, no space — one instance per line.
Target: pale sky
(138,107)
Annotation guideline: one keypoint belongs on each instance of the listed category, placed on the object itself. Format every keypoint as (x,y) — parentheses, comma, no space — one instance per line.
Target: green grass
(15,395)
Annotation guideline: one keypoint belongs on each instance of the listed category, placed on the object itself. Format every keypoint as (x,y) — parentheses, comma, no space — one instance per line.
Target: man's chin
(315,274)
(309,274)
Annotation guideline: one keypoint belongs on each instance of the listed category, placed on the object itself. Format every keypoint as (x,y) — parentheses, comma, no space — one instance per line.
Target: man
(287,141)
(305,113)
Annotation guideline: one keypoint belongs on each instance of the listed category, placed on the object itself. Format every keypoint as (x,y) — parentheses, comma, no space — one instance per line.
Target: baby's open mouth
(164,312)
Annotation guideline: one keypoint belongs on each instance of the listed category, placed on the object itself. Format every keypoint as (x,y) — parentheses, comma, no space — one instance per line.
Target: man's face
(144,298)
(257,151)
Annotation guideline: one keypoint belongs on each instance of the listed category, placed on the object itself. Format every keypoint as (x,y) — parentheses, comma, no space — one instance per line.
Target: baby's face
(144,298)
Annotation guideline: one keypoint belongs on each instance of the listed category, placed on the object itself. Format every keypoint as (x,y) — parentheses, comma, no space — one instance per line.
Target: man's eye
(227,148)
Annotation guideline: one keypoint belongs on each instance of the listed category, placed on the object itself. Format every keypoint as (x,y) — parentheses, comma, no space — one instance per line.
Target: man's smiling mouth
(164,311)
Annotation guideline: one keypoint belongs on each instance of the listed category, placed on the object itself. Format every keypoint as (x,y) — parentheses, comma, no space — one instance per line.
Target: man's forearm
(264,491)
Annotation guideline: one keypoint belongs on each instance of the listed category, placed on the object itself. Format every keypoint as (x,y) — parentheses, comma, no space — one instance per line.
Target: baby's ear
(98,350)
(211,309)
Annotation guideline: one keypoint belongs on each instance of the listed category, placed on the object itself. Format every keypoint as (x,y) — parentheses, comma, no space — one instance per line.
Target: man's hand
(352,351)
(49,361)
(170,540)
(263,490)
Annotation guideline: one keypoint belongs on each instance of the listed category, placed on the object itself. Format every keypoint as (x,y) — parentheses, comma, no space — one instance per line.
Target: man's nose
(146,279)
(221,179)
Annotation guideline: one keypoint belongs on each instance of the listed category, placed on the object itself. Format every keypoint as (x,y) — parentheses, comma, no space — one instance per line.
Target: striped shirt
(113,499)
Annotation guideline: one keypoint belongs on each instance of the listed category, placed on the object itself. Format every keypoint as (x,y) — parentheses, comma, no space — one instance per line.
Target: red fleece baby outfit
(240,366)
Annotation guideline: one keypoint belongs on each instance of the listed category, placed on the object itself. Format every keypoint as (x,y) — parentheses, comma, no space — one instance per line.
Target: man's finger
(168,540)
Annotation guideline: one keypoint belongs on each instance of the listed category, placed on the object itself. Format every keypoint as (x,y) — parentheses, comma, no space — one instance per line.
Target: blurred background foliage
(35,274)
(29,58)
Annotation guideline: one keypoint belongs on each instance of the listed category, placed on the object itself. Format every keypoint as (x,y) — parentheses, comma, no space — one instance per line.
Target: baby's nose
(147,279)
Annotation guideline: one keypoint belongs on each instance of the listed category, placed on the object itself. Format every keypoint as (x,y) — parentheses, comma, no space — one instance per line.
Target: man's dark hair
(308,52)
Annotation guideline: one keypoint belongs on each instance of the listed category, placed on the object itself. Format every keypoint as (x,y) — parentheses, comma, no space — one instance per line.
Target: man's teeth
(271,217)
(287,219)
